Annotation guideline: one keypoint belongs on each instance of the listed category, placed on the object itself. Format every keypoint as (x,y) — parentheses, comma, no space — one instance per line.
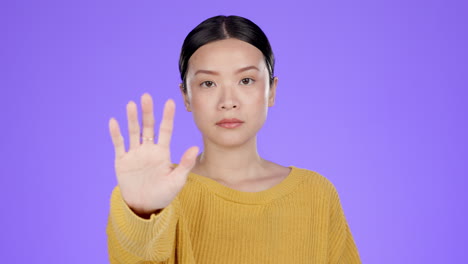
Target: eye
(247,81)
(207,84)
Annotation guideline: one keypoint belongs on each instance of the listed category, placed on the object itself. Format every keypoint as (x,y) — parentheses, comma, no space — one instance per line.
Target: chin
(230,141)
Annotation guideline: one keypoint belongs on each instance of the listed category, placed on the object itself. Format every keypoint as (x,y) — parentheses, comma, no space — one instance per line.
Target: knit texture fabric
(299,220)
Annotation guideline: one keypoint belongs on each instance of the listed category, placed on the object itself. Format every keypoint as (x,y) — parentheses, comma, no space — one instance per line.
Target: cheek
(256,107)
(201,102)
(195,101)
(201,108)
(258,99)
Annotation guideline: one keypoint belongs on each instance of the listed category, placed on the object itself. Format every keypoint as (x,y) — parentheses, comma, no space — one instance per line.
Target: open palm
(146,176)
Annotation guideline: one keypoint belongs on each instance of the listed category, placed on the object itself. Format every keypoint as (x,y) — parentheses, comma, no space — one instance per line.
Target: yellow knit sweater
(299,220)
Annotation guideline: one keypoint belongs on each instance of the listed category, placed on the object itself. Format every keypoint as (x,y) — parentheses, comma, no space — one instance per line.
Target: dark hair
(224,27)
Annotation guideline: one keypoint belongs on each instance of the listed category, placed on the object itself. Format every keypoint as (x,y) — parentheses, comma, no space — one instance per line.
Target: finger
(148,116)
(133,125)
(186,164)
(167,124)
(117,138)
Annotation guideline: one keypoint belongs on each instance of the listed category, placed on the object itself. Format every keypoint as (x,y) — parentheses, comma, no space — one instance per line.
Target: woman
(227,204)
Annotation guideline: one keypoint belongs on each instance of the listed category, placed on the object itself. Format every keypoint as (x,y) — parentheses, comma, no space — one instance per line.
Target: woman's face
(228,79)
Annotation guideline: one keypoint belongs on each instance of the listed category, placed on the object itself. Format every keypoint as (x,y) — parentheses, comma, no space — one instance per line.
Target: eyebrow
(238,71)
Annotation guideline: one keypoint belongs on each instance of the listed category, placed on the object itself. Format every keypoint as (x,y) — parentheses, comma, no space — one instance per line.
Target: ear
(185,97)
(272,93)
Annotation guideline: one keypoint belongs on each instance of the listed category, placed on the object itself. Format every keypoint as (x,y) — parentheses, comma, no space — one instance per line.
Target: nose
(227,100)
(228,106)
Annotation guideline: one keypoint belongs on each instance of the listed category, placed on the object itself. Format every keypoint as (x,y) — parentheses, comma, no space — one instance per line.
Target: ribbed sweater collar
(285,187)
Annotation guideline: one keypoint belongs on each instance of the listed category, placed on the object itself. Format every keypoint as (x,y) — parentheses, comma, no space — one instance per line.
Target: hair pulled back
(224,27)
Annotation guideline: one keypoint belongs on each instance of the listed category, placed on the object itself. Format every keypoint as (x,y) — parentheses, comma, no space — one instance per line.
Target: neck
(230,164)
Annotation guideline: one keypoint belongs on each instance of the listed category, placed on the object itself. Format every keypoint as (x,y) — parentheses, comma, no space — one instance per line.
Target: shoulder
(314,180)
(321,188)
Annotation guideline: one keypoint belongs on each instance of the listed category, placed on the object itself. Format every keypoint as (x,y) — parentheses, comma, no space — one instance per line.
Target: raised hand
(147,179)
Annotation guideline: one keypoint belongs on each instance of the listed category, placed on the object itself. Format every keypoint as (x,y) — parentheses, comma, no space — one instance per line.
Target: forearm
(132,238)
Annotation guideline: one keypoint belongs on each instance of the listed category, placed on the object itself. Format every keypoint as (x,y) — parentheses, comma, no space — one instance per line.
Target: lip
(230,123)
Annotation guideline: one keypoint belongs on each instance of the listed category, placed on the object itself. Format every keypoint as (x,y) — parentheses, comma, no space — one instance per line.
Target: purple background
(372,95)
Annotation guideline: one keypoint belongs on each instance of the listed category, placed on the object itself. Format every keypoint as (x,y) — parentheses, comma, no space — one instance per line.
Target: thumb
(186,163)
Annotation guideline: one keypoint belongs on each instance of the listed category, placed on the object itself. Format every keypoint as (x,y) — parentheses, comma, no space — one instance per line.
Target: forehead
(226,55)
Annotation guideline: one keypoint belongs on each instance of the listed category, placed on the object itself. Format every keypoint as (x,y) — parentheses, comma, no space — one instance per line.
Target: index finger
(167,124)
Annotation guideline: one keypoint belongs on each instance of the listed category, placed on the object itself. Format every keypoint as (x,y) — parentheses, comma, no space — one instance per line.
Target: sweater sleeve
(342,248)
(132,239)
